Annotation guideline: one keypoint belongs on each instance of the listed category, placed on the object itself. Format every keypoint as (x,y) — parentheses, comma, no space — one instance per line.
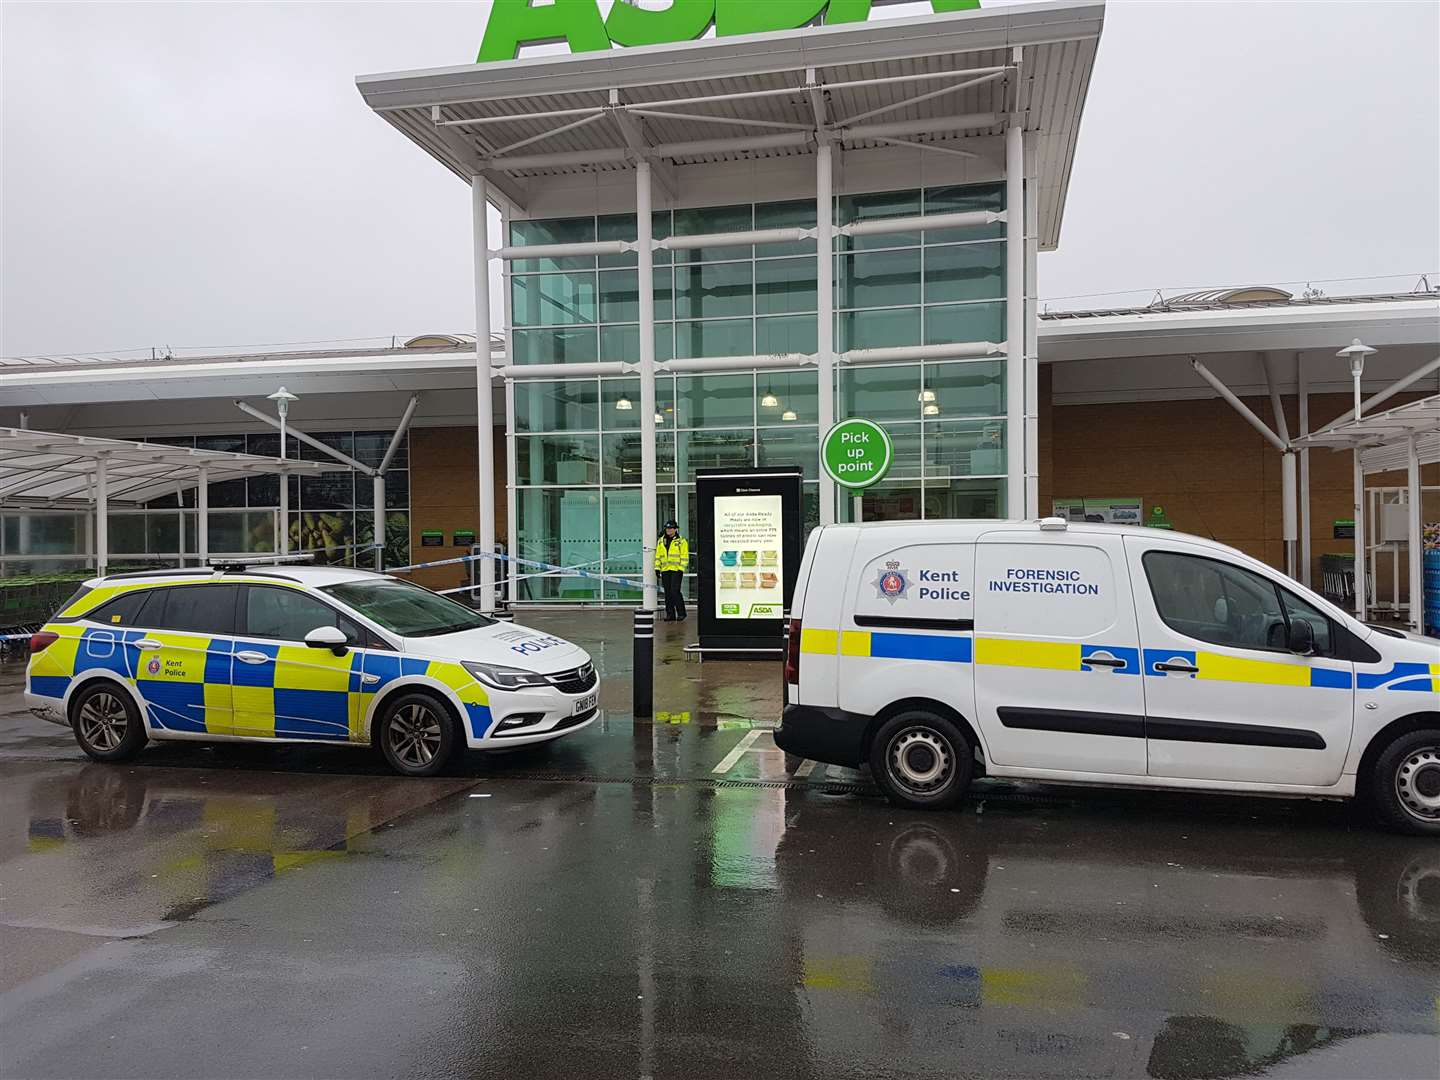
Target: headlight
(504,678)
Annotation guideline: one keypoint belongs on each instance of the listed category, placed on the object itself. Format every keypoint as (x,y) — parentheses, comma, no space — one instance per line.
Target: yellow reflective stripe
(1052,655)
(855,643)
(1219,668)
(819,641)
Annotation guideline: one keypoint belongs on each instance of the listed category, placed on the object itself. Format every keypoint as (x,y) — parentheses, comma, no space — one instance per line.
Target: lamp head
(282,399)
(1356,352)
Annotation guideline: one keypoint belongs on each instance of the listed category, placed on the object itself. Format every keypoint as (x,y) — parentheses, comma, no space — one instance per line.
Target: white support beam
(562,251)
(102,516)
(825,283)
(954,350)
(1362,550)
(377,538)
(1238,405)
(918,223)
(753,236)
(511,118)
(731,121)
(1403,383)
(922,126)
(819,110)
(550,134)
(921,98)
(1267,361)
(1414,513)
(1302,386)
(633,131)
(649,530)
(738,363)
(936,147)
(180,502)
(296,433)
(202,522)
(484,387)
(400,429)
(1015,464)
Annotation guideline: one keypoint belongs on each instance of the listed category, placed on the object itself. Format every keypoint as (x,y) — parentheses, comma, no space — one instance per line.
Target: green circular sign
(857,453)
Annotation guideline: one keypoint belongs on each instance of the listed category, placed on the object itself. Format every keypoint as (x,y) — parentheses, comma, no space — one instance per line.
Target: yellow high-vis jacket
(674,555)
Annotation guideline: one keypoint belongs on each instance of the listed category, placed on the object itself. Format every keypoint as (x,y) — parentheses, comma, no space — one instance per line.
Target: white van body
(1099,654)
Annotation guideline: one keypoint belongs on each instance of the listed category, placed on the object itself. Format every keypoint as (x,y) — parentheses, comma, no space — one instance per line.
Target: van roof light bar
(1053,524)
(246,562)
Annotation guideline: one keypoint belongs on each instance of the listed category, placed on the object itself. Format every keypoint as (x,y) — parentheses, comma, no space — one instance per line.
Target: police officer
(672,559)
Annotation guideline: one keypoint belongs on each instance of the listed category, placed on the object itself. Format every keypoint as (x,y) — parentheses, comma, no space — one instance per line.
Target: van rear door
(1057,659)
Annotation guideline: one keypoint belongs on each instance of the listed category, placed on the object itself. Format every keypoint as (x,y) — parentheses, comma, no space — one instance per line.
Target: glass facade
(576,442)
(331,514)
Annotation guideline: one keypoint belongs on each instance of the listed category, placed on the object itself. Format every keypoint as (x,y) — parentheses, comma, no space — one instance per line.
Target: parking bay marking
(729,761)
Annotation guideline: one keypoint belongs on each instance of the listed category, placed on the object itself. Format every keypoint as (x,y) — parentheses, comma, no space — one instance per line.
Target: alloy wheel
(103,722)
(414,734)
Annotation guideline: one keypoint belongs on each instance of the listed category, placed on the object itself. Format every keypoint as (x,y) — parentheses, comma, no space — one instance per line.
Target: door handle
(1176,665)
(248,657)
(146,644)
(1102,661)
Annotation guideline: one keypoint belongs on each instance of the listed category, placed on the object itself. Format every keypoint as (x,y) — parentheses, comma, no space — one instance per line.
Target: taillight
(792,654)
(42,641)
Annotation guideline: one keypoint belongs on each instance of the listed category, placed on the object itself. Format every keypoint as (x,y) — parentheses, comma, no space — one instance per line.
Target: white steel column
(1417,559)
(102,517)
(378,539)
(1032,347)
(180,547)
(825,330)
(284,524)
(202,517)
(1015,464)
(649,530)
(484,391)
(1302,384)
(1361,552)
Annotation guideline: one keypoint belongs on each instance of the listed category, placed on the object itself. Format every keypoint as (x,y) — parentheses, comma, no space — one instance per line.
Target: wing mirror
(1302,637)
(328,637)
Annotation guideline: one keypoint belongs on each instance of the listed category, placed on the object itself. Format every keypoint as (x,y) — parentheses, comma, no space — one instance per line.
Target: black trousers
(674,602)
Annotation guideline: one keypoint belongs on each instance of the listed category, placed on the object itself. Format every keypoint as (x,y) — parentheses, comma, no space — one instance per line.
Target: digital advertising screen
(748,548)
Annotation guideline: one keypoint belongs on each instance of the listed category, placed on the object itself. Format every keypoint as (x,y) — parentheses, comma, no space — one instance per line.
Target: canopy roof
(1383,438)
(51,468)
(937,80)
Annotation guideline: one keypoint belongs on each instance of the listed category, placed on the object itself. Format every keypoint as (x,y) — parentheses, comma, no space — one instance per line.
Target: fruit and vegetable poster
(748,545)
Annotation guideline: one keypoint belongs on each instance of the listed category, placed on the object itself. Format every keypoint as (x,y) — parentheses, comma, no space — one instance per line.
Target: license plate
(585,704)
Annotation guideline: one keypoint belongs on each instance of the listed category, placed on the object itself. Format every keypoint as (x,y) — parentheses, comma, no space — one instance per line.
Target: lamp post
(282,399)
(1356,352)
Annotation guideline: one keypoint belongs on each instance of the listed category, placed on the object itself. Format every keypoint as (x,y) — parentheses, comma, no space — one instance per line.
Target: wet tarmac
(666,899)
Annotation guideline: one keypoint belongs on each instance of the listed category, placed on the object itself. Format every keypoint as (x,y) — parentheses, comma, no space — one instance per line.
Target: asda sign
(516,23)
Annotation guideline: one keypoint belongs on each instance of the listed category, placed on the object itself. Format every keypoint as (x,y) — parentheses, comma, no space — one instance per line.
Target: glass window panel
(370,447)
(714,219)
(878,279)
(965,272)
(887,392)
(614,416)
(397,492)
(790,445)
(579,230)
(126,534)
(343,441)
(888,501)
(264,443)
(783,285)
(714,448)
(620,296)
(329,531)
(795,214)
(710,290)
(967,388)
(964,322)
(552,299)
(965,448)
(794,391)
(622,227)
(230,533)
(329,491)
(620,457)
(879,329)
(230,444)
(716,400)
(715,337)
(557,459)
(570,405)
(555,346)
(559,526)
(885,204)
(963,200)
(787,334)
(262,490)
(964,498)
(624,542)
(623,342)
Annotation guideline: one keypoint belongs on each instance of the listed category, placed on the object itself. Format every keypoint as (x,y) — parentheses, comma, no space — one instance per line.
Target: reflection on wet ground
(619,907)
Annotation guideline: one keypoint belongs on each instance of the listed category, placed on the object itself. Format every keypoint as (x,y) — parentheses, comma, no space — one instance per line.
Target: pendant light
(788,414)
(623,403)
(769,401)
(932,409)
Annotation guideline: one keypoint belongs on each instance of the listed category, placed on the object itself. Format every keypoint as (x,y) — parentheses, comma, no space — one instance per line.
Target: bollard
(643,677)
(503,615)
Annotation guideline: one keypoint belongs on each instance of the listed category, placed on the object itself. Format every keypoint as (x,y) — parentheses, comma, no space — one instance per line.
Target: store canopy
(48,468)
(1382,439)
(942,82)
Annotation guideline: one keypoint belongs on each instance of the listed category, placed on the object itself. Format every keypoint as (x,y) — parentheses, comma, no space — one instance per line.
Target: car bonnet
(503,643)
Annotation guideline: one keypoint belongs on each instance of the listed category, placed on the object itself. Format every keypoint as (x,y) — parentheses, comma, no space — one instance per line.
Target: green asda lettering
(514,23)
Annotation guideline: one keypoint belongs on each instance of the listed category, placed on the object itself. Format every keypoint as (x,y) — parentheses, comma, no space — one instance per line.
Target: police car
(1099,654)
(300,654)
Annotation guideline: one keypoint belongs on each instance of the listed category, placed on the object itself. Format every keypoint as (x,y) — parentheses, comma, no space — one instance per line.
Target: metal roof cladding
(937,80)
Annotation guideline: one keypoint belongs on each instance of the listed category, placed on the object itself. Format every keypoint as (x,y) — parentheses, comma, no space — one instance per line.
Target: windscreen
(406,609)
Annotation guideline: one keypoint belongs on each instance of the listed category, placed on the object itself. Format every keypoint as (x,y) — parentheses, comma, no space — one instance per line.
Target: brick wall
(444,496)
(1213,473)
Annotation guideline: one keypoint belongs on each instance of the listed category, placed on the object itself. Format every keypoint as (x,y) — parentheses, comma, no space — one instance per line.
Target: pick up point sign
(856,453)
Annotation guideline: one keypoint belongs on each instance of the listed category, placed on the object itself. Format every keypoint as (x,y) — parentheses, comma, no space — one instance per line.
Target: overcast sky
(206,175)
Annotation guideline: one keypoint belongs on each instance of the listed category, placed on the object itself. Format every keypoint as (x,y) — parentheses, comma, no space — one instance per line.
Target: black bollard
(503,615)
(643,677)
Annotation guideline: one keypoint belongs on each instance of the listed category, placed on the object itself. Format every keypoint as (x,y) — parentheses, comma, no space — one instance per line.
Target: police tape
(569,571)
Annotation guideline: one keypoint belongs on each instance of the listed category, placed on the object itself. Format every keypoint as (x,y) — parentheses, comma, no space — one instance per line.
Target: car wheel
(106,723)
(417,735)
(921,760)
(1405,784)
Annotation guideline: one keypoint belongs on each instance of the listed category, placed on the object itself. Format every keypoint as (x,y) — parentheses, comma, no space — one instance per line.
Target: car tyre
(417,734)
(1405,783)
(106,723)
(921,760)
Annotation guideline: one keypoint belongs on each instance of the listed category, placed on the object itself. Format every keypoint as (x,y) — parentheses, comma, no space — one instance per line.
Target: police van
(300,654)
(1070,652)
